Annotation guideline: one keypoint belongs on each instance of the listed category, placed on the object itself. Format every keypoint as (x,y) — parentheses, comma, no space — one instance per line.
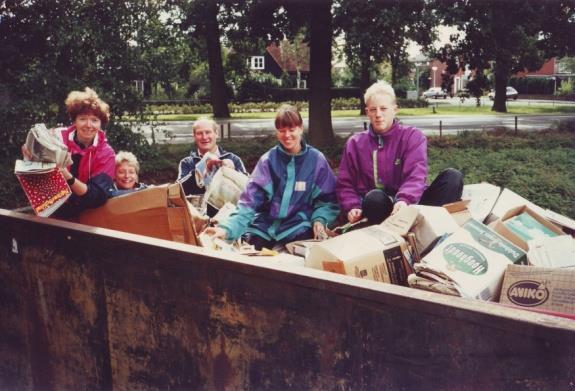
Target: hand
(26,153)
(213,164)
(66,173)
(319,232)
(354,215)
(228,163)
(216,232)
(398,205)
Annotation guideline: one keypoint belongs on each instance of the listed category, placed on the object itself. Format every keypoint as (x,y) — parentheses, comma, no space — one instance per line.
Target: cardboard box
(510,200)
(489,238)
(432,223)
(372,252)
(542,288)
(472,261)
(482,198)
(402,221)
(500,225)
(458,210)
(160,212)
(552,252)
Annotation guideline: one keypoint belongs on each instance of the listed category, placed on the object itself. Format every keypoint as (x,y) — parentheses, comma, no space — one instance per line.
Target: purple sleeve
(347,176)
(414,171)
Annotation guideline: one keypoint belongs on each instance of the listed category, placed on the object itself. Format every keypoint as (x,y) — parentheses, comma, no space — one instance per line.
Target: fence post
(440,128)
(516,125)
(364,125)
(229,130)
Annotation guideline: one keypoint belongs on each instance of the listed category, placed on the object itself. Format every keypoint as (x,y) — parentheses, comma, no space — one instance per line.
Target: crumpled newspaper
(46,146)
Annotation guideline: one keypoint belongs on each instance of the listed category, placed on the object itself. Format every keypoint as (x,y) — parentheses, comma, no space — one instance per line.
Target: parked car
(510,93)
(435,92)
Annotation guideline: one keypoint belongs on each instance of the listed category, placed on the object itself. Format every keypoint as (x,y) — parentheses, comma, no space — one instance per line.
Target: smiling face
(205,137)
(381,110)
(126,176)
(290,138)
(87,126)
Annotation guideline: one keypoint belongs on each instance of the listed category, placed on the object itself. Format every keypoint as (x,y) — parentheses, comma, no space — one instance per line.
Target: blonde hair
(205,119)
(288,116)
(128,157)
(379,88)
(87,101)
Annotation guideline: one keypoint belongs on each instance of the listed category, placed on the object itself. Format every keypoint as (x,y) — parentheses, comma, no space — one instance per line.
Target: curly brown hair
(87,102)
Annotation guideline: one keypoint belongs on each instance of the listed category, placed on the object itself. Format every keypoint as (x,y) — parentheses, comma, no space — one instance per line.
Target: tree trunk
(364,77)
(320,126)
(502,72)
(218,90)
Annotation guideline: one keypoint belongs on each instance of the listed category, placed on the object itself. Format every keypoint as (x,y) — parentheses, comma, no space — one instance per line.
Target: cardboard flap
(458,206)
(176,195)
(402,221)
(152,197)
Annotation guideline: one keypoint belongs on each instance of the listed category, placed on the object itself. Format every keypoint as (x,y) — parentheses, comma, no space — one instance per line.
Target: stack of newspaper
(46,146)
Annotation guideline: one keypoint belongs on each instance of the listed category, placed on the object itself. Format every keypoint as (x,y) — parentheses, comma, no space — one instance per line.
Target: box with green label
(471,261)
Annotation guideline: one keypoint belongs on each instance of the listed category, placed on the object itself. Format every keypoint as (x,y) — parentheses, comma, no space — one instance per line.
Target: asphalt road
(180,131)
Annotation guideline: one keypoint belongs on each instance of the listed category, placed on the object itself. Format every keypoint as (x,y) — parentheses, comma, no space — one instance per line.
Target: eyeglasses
(373,110)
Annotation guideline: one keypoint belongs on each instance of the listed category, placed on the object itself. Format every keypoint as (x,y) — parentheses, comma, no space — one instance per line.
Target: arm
(414,170)
(347,194)
(96,190)
(255,195)
(325,207)
(185,167)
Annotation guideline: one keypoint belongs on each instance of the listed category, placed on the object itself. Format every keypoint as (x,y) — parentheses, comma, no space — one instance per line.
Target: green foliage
(257,88)
(395,22)
(566,88)
(532,85)
(511,35)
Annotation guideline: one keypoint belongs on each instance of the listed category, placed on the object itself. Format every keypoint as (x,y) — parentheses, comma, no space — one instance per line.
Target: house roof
(285,56)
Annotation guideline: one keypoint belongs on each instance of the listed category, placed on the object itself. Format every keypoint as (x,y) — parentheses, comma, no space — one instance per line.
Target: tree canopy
(508,36)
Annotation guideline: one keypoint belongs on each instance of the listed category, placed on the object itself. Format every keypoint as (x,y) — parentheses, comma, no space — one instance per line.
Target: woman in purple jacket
(385,168)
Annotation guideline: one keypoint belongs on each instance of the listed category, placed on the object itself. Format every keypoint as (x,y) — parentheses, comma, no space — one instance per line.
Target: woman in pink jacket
(90,176)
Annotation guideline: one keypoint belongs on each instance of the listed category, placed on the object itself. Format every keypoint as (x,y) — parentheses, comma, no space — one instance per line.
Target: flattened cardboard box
(160,212)
(372,252)
(432,223)
(542,288)
(483,197)
(474,258)
(500,227)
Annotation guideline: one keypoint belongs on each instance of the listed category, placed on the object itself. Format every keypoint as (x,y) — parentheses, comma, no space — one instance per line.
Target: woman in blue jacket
(290,195)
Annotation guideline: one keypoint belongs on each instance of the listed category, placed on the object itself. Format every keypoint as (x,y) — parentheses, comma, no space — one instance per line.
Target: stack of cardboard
(479,248)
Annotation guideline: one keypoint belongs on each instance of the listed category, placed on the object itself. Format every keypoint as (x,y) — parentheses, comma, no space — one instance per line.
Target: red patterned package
(46,191)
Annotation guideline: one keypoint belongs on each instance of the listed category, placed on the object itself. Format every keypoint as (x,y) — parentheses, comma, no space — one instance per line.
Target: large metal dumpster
(88,308)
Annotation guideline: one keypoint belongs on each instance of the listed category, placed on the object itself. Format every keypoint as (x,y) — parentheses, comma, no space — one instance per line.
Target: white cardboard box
(482,197)
(372,252)
(472,260)
(500,227)
(432,223)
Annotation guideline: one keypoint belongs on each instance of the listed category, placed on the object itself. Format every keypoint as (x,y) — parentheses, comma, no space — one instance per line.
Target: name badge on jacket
(299,186)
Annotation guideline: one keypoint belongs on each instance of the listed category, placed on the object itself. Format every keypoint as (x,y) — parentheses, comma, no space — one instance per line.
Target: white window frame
(257,62)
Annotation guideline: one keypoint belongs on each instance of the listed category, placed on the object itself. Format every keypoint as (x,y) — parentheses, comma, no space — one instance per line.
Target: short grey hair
(205,119)
(379,88)
(128,157)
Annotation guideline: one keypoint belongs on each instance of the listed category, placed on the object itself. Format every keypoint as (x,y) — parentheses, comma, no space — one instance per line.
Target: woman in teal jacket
(290,195)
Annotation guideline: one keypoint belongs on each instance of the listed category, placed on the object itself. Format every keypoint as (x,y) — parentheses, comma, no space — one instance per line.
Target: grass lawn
(441,109)
(536,165)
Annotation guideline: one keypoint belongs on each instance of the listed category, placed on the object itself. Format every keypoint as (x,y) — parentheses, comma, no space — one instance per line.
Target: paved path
(180,131)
